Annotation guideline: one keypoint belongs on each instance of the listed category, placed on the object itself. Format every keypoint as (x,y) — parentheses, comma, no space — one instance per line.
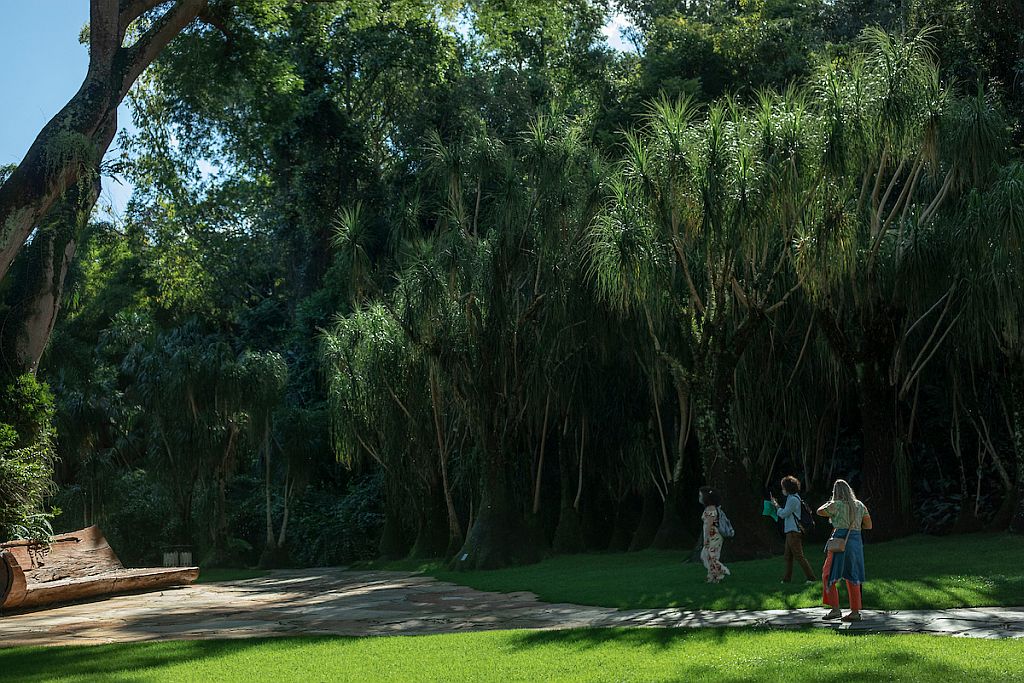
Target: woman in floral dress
(712,552)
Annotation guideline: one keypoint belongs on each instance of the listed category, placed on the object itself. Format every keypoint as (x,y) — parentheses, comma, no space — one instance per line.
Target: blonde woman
(848,516)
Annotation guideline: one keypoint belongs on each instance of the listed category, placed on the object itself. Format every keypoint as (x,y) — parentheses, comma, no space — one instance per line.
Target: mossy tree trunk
(77,137)
(32,292)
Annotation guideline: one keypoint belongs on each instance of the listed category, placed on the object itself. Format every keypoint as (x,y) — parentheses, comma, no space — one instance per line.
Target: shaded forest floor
(920,572)
(575,655)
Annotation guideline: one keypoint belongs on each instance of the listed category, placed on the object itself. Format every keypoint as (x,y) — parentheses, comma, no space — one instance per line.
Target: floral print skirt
(710,557)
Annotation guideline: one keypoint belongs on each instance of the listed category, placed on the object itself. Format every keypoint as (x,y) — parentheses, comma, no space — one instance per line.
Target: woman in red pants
(848,516)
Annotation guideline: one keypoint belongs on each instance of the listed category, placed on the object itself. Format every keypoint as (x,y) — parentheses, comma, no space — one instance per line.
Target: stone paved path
(337,602)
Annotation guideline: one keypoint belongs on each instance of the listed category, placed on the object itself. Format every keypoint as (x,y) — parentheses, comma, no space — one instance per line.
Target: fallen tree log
(73,567)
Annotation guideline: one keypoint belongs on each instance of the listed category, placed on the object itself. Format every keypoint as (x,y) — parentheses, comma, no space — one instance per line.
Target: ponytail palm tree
(486,298)
(993,246)
(377,393)
(188,384)
(900,154)
(696,239)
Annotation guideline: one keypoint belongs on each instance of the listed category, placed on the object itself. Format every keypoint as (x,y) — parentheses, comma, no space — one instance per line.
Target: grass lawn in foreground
(579,655)
(921,572)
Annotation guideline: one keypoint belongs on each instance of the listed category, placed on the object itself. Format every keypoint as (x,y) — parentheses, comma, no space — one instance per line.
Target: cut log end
(75,566)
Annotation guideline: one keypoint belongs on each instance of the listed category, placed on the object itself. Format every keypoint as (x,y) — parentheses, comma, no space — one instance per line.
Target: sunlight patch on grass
(920,572)
(575,655)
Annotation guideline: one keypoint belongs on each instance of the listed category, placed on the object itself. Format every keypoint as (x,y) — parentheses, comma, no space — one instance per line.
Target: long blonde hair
(842,491)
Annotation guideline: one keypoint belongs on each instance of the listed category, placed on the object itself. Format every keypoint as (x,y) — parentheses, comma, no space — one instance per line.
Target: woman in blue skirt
(848,516)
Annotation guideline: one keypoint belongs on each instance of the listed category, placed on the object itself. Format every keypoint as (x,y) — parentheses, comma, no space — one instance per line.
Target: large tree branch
(103,31)
(215,18)
(155,39)
(130,10)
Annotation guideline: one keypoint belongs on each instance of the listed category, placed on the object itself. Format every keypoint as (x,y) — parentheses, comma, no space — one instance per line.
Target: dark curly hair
(710,496)
(790,485)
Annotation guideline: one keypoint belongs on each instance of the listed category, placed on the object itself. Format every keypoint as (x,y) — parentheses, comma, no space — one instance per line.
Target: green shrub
(26,459)
(327,529)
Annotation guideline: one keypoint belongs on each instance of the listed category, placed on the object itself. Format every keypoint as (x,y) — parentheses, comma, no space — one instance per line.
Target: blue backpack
(724,525)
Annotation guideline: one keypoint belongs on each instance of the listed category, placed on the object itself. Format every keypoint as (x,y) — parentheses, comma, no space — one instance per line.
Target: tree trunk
(393,541)
(622,527)
(432,531)
(282,535)
(886,484)
(672,533)
(218,555)
(650,519)
(33,290)
(499,536)
(268,502)
(76,138)
(454,528)
(1017,424)
(724,472)
(569,532)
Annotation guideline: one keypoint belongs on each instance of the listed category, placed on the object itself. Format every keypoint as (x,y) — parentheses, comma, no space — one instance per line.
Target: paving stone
(335,601)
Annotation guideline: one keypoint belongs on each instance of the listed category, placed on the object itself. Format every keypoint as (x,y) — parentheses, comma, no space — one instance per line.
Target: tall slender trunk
(289,489)
(569,532)
(454,528)
(1017,425)
(271,541)
(672,532)
(886,482)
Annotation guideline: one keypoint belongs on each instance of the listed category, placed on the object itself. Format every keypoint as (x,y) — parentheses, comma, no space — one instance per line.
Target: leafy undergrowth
(578,655)
(920,572)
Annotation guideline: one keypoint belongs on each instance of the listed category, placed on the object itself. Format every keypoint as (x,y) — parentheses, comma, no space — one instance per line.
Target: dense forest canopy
(460,280)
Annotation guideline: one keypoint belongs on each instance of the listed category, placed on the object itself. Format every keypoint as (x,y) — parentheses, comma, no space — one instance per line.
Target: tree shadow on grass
(128,663)
(838,662)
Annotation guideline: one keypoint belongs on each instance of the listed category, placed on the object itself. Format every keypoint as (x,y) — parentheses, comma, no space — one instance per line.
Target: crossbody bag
(838,545)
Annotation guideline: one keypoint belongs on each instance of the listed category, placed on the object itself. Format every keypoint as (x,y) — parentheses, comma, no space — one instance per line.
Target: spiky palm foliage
(880,272)
(199,397)
(496,258)
(695,239)
(370,363)
(485,317)
(993,247)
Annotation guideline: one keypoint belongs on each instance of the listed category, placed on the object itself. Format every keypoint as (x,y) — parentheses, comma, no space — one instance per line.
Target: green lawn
(219,575)
(583,655)
(913,573)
